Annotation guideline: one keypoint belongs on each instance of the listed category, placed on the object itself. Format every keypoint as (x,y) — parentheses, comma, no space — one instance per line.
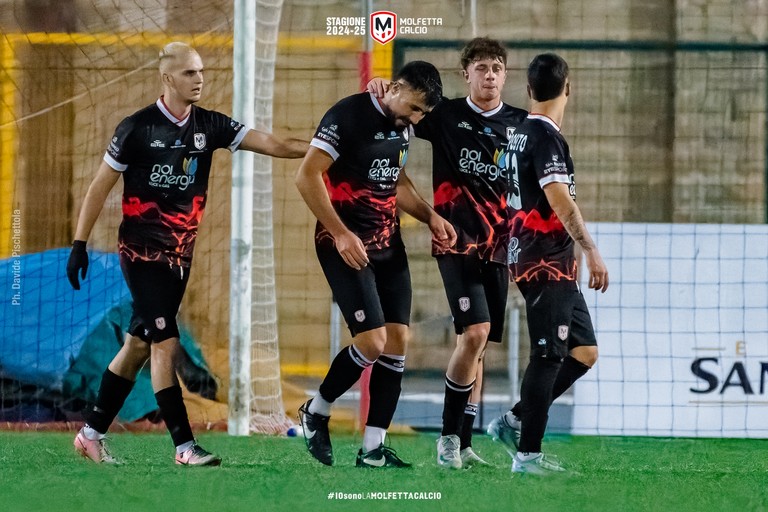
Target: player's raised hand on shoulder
(598,272)
(77,265)
(352,250)
(377,86)
(443,233)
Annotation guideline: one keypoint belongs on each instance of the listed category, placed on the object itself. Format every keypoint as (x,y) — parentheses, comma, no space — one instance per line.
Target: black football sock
(345,370)
(571,371)
(385,386)
(470,413)
(456,398)
(536,397)
(113,391)
(516,409)
(174,413)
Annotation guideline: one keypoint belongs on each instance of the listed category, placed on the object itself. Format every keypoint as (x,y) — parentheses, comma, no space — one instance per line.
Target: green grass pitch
(41,472)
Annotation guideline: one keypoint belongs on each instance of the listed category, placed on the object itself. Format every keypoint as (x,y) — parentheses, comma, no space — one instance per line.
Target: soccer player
(353,180)
(546,226)
(163,152)
(470,191)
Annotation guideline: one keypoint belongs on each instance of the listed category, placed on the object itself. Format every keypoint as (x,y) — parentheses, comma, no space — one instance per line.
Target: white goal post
(255,397)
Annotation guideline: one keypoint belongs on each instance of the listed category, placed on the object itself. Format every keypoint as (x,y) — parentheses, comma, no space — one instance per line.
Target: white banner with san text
(682,332)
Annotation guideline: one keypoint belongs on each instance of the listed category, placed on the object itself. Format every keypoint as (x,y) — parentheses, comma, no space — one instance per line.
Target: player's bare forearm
(293,148)
(409,200)
(568,212)
(598,272)
(273,145)
(575,226)
(99,189)
(314,194)
(309,181)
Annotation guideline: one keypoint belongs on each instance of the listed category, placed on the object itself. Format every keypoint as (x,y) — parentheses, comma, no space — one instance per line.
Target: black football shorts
(476,291)
(156,289)
(377,294)
(558,318)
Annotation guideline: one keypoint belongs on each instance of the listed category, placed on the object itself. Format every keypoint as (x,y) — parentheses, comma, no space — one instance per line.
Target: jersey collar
(542,117)
(376,104)
(484,113)
(167,113)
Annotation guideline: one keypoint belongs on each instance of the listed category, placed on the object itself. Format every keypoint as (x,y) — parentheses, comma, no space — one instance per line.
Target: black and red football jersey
(165,164)
(369,152)
(540,248)
(470,187)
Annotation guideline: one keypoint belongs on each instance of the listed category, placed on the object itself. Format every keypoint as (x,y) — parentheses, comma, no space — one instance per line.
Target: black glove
(77,263)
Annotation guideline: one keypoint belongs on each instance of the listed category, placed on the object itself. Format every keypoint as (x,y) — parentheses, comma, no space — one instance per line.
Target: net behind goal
(70,72)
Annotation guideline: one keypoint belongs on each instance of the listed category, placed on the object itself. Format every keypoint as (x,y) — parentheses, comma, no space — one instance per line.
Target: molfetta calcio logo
(383,26)
(162,175)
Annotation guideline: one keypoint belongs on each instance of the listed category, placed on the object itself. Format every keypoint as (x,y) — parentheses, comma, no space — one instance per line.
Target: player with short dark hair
(546,226)
(163,152)
(470,191)
(353,180)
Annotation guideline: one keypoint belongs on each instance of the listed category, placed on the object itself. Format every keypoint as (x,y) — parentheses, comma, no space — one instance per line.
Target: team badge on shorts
(160,323)
(562,332)
(359,315)
(464,304)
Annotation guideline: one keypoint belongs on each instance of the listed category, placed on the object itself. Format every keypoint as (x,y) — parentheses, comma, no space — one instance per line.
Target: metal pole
(335,330)
(365,76)
(473,16)
(242,223)
(513,352)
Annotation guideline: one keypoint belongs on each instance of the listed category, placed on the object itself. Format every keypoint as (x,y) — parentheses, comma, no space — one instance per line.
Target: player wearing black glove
(77,263)
(156,238)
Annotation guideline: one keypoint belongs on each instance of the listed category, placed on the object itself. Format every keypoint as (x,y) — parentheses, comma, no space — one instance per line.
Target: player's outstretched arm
(309,181)
(105,179)
(273,145)
(409,200)
(569,214)
(98,190)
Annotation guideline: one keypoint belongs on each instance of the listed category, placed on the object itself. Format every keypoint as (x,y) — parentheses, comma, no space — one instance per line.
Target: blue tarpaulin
(61,340)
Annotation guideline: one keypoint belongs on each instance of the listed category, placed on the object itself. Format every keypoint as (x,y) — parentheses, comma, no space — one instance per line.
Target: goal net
(69,72)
